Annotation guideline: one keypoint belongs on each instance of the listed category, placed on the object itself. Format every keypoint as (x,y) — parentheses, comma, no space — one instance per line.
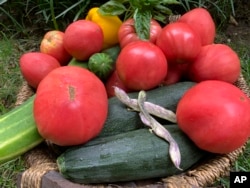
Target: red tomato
(141,65)
(35,66)
(52,44)
(175,73)
(128,34)
(215,115)
(200,20)
(70,106)
(83,38)
(215,62)
(112,81)
(179,42)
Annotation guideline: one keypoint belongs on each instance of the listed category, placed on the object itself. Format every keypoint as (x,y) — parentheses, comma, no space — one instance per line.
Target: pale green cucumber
(18,132)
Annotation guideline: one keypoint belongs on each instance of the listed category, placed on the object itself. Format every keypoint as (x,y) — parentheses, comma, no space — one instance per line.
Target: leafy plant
(141,11)
(46,14)
(53,11)
(220,10)
(6,14)
(10,74)
(9,172)
(49,14)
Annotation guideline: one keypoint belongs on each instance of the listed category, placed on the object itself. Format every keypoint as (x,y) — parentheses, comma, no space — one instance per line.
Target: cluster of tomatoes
(188,47)
(180,50)
(71,103)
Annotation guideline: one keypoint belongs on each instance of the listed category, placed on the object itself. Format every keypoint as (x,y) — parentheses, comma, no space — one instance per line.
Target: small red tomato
(82,39)
(141,65)
(179,42)
(52,44)
(112,81)
(127,33)
(215,62)
(200,20)
(215,115)
(35,66)
(70,106)
(175,73)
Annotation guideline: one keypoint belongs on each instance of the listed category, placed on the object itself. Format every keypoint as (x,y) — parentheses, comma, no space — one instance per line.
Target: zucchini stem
(151,108)
(159,130)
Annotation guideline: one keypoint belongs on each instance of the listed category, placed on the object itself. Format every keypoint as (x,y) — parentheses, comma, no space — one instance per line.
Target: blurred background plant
(221,10)
(26,17)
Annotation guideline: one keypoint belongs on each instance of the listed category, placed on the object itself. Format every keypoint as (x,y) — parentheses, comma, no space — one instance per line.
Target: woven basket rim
(39,160)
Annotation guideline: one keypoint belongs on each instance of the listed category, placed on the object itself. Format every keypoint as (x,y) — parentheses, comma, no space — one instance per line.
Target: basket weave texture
(42,159)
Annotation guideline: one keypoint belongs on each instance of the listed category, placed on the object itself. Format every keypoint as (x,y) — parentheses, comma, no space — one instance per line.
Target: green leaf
(144,4)
(62,14)
(113,8)
(160,17)
(170,2)
(3,1)
(135,4)
(142,23)
(141,10)
(160,13)
(162,9)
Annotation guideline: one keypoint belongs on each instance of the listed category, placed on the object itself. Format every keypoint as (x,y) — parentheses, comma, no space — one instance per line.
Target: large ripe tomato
(215,115)
(200,20)
(141,65)
(215,61)
(35,66)
(52,44)
(70,106)
(128,34)
(83,38)
(179,42)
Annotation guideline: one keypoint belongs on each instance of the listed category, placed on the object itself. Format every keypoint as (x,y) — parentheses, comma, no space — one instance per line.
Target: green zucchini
(133,155)
(113,51)
(18,132)
(121,119)
(75,62)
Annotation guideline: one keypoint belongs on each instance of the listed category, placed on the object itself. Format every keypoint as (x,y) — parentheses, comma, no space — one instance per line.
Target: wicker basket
(41,160)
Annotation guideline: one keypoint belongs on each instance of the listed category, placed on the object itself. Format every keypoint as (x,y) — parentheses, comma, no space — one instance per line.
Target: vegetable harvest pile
(130,99)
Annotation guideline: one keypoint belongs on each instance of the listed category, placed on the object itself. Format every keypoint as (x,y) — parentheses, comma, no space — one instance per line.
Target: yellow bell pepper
(110,26)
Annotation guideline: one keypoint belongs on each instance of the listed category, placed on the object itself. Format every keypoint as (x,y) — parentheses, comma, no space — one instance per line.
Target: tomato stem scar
(72,93)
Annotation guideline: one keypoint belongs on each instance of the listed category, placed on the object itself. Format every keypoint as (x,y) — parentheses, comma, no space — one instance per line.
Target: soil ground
(238,29)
